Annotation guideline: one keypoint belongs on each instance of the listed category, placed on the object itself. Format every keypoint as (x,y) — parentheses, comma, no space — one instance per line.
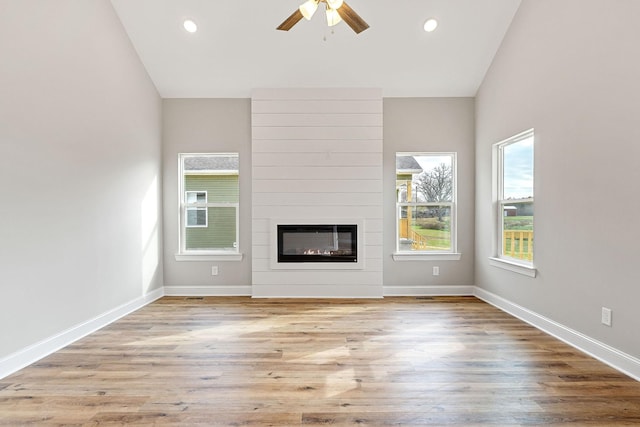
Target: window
(425,203)
(209,201)
(515,198)
(196,208)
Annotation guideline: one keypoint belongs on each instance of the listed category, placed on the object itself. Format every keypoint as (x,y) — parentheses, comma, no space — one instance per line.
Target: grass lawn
(436,239)
(518,223)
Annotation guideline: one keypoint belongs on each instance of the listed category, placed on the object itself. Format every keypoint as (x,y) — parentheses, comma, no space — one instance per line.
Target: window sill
(411,256)
(210,256)
(526,270)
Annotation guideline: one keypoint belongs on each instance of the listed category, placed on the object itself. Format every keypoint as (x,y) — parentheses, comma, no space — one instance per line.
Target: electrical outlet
(214,270)
(606,316)
(436,271)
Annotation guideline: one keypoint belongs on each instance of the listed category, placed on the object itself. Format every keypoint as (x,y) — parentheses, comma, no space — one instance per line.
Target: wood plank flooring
(240,362)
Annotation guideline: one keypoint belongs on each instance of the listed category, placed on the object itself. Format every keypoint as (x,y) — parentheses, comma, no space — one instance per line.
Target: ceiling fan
(336,11)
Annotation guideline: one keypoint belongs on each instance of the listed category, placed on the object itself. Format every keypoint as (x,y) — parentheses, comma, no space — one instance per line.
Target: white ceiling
(237,47)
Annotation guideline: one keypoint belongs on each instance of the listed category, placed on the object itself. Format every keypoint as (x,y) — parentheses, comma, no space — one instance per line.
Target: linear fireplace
(317,243)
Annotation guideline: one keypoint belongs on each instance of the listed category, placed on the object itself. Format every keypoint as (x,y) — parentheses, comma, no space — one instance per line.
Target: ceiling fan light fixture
(430,25)
(308,8)
(190,26)
(336,10)
(333,17)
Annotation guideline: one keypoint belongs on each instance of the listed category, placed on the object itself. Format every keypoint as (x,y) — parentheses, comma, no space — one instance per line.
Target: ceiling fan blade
(291,21)
(352,19)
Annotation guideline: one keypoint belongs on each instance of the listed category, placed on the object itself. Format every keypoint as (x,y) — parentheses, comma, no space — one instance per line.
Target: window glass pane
(424,178)
(425,228)
(425,196)
(210,181)
(517,227)
(435,183)
(518,170)
(516,197)
(196,217)
(196,197)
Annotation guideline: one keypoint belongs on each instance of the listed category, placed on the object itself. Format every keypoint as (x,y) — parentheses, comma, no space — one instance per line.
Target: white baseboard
(207,291)
(31,354)
(403,291)
(316,291)
(266,291)
(618,360)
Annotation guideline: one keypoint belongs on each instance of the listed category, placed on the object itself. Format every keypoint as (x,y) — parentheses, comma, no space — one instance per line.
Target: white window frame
(183,254)
(423,255)
(196,206)
(500,260)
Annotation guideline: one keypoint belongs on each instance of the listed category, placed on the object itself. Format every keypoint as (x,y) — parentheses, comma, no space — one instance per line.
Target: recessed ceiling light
(430,25)
(190,26)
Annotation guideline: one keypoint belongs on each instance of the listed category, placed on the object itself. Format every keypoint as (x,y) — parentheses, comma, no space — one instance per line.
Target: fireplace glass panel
(317,243)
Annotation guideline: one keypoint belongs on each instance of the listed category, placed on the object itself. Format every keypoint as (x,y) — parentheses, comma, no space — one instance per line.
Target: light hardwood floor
(396,361)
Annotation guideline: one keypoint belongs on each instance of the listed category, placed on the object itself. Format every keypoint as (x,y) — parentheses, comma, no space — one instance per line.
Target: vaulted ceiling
(237,47)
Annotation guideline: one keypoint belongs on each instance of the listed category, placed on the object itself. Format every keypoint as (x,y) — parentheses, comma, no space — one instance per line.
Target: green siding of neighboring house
(219,188)
(220,232)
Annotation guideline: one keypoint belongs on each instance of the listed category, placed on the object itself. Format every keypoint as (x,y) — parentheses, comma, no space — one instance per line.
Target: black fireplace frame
(339,256)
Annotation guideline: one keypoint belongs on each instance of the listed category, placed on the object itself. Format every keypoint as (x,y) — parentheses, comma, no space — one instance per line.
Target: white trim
(207,256)
(315,296)
(517,137)
(182,205)
(515,267)
(451,290)
(212,172)
(453,204)
(316,291)
(31,354)
(425,256)
(618,360)
(208,291)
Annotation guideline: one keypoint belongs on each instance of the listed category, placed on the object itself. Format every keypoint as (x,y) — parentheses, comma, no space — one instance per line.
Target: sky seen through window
(518,170)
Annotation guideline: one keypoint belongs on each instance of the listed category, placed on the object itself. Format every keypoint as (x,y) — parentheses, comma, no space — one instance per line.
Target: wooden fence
(518,244)
(418,242)
(515,243)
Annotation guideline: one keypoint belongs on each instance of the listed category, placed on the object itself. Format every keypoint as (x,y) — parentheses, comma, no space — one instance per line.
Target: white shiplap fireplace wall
(316,158)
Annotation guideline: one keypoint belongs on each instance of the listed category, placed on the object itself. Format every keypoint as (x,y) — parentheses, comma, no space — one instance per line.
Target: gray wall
(570,70)
(430,125)
(205,126)
(79,169)
(410,124)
